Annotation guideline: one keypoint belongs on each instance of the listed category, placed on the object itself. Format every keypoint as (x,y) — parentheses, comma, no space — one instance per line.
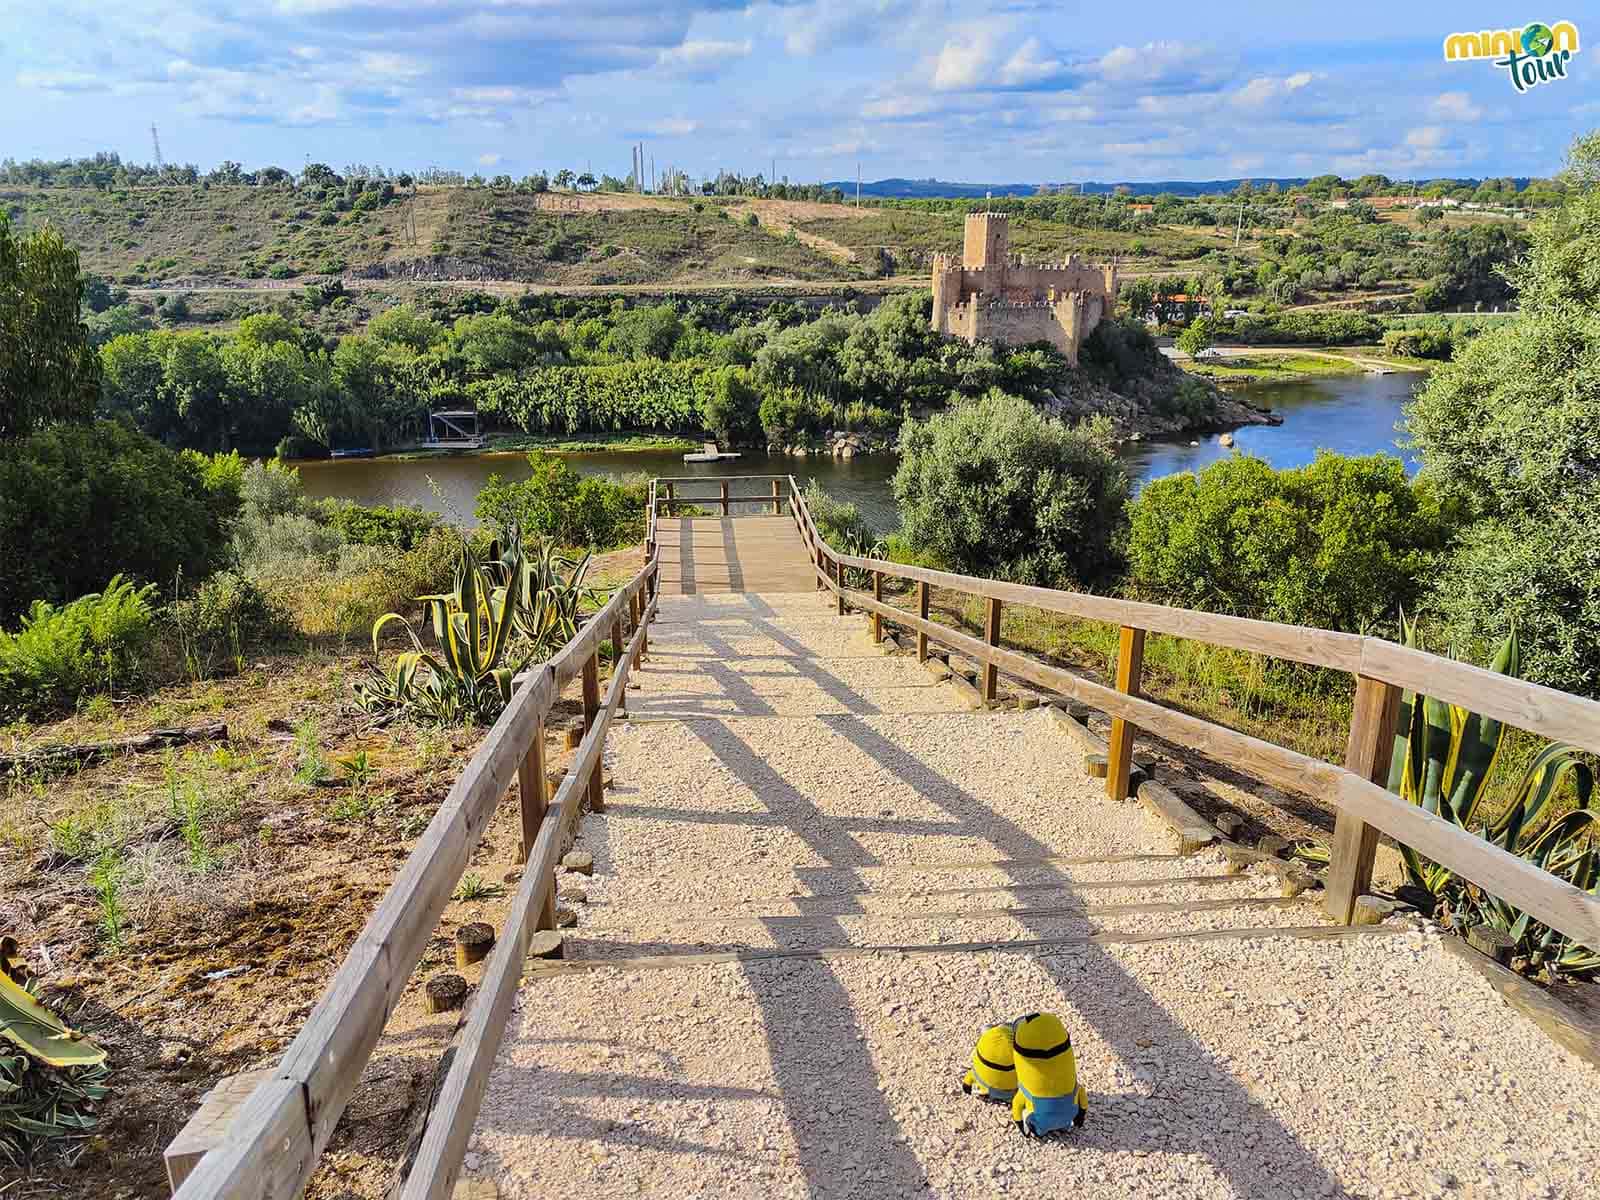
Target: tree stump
(1373,910)
(445,993)
(1096,766)
(473,942)
(546,943)
(1486,939)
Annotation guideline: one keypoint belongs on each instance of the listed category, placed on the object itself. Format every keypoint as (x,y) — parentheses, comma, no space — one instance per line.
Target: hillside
(172,234)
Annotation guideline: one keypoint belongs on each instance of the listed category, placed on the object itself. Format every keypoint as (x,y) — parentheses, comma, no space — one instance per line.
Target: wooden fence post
(1367,754)
(838,578)
(591,707)
(922,611)
(777,509)
(1119,757)
(535,797)
(724,497)
(991,673)
(643,622)
(877,618)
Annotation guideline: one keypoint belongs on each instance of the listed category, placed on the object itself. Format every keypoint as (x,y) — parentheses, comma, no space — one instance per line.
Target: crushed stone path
(819,876)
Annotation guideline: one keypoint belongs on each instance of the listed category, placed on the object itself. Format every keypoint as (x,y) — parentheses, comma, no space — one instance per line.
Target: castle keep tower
(989,297)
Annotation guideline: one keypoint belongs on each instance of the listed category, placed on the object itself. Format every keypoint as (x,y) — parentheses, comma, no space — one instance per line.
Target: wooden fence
(1357,791)
(272,1145)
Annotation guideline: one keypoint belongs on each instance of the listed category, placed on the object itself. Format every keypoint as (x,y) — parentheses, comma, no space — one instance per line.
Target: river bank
(1346,413)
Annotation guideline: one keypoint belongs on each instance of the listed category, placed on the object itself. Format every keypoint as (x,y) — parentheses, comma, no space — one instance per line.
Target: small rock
(565,917)
(571,891)
(579,861)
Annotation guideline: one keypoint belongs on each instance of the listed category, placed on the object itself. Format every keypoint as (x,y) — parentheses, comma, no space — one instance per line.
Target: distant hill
(937,188)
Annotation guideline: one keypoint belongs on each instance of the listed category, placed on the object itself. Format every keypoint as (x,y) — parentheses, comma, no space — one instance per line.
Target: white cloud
(1029,65)
(702,58)
(1454,106)
(1157,61)
(1266,89)
(1426,137)
(488,160)
(963,64)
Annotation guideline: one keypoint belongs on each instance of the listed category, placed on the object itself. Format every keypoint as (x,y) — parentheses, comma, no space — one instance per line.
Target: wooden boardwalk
(727,554)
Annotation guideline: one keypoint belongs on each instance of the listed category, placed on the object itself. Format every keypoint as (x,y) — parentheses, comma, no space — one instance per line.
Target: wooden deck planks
(731,554)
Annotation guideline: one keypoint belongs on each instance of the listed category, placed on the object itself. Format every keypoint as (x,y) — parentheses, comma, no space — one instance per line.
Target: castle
(986,296)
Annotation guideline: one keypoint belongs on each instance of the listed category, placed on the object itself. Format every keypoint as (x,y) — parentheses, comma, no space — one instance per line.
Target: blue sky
(979,90)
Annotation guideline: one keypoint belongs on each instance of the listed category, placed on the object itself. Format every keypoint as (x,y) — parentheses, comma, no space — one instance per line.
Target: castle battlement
(989,294)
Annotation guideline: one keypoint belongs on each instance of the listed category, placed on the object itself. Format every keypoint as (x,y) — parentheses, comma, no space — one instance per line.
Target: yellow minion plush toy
(994,1074)
(1049,1097)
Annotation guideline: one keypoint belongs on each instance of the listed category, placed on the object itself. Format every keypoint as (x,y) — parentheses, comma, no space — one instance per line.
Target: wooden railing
(272,1145)
(1364,806)
(664,495)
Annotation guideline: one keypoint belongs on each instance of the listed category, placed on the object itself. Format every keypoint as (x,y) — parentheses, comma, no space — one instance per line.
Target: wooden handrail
(271,1147)
(1359,801)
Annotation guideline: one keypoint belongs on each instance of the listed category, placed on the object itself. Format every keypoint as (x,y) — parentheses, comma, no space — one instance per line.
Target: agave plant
(550,591)
(51,1081)
(1444,759)
(857,546)
(469,676)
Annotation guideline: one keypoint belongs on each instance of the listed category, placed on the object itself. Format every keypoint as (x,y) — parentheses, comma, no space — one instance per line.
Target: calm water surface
(1351,414)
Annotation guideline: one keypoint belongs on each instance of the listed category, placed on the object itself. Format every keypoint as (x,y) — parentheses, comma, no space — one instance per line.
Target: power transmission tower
(156,142)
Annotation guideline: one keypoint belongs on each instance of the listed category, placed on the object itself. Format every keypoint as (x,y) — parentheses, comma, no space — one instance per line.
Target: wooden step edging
(658,962)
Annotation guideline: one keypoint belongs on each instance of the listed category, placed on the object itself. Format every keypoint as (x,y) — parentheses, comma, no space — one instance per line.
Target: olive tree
(993,487)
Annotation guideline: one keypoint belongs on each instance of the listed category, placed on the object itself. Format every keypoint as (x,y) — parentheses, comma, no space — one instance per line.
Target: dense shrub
(991,487)
(1119,350)
(80,503)
(369,581)
(95,643)
(1423,341)
(838,521)
(731,410)
(633,395)
(402,526)
(1341,544)
(556,502)
(225,614)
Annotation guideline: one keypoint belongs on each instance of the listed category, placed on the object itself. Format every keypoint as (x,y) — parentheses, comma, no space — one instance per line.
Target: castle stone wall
(989,297)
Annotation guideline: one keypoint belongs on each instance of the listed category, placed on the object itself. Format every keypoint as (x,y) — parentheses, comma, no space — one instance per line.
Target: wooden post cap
(580,861)
(573,736)
(1097,766)
(1373,910)
(445,992)
(1229,823)
(473,942)
(546,943)
(1496,943)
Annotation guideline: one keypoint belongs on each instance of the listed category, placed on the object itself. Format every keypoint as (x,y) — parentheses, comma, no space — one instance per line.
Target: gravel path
(786,788)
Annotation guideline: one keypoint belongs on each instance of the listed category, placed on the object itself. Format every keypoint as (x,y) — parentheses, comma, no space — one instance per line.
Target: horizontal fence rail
(666,496)
(271,1147)
(1382,669)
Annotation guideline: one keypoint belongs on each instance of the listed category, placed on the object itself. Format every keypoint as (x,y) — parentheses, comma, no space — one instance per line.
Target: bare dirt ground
(243,884)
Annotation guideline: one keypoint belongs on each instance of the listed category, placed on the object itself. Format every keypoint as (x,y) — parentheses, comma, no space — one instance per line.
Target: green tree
(1196,336)
(49,370)
(649,331)
(1344,543)
(992,487)
(1511,426)
(405,326)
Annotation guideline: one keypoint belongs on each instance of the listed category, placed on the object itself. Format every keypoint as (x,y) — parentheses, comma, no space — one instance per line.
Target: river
(1350,414)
